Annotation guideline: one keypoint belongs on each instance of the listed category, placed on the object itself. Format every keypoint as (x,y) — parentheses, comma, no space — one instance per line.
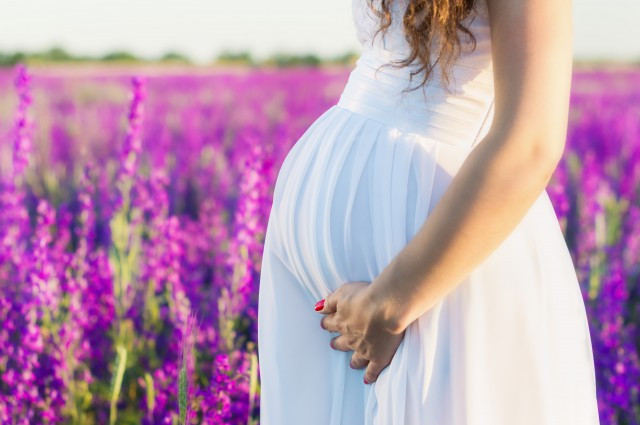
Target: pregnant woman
(416,221)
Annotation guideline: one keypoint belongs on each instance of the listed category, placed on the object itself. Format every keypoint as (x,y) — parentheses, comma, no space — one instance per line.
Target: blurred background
(139,146)
(253,32)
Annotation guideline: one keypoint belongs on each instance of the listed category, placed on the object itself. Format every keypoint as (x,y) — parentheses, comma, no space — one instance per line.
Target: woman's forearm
(491,192)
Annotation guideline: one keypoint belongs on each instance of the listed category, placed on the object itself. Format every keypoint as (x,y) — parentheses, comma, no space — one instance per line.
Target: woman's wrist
(390,309)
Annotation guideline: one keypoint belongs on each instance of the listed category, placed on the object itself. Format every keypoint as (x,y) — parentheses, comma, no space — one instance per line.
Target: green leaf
(182,394)
(151,395)
(116,381)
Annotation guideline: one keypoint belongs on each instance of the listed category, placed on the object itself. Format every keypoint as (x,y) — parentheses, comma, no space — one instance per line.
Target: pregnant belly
(347,202)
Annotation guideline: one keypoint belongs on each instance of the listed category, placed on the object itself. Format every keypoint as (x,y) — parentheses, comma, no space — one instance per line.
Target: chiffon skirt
(510,345)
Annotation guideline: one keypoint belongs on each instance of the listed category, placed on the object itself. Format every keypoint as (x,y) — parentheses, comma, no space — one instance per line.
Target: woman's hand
(361,320)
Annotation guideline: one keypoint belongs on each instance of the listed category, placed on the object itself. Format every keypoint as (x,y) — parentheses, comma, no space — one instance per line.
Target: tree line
(60,55)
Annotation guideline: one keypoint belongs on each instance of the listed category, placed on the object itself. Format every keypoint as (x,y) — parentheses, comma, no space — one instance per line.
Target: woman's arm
(491,192)
(504,174)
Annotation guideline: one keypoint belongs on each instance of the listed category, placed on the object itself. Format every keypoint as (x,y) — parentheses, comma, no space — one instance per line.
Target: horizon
(203,30)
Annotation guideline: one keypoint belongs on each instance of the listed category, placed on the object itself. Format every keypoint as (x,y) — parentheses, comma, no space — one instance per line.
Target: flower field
(132,217)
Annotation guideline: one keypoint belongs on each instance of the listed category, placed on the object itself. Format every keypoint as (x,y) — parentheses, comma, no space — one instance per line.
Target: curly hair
(424,22)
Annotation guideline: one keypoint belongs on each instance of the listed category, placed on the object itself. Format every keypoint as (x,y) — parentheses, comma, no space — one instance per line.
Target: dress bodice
(460,115)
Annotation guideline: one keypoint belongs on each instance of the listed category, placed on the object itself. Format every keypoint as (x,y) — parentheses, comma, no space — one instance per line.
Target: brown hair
(423,22)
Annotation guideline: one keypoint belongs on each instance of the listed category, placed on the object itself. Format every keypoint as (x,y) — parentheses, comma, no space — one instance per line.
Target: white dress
(510,345)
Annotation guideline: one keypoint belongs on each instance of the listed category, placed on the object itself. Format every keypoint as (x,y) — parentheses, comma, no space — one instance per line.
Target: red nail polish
(365,381)
(319,305)
(331,344)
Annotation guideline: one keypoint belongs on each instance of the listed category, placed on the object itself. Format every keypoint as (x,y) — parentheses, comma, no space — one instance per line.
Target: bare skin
(532,62)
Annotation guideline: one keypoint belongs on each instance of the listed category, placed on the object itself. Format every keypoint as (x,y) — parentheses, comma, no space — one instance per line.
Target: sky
(204,28)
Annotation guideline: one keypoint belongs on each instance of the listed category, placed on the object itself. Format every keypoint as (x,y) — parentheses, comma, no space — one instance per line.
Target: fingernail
(321,325)
(351,365)
(331,344)
(365,381)
(319,305)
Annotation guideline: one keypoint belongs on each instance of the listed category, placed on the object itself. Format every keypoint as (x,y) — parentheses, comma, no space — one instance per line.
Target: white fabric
(509,346)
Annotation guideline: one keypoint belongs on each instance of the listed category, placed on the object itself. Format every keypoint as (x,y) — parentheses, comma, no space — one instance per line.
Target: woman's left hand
(360,319)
